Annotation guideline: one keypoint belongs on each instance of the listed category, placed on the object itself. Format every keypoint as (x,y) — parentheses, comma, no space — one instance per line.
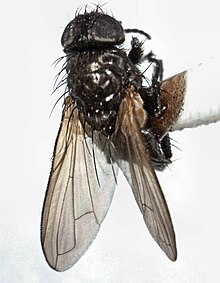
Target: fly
(110,120)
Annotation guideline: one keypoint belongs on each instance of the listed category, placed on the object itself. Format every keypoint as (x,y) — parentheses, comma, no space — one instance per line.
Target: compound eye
(106,29)
(69,35)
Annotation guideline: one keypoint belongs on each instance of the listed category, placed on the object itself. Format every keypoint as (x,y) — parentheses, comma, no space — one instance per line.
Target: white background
(183,33)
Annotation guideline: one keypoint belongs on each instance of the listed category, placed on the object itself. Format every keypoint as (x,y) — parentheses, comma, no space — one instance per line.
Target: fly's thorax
(96,79)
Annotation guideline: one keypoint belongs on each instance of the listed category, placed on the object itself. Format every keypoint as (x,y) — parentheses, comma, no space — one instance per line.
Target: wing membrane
(133,158)
(79,193)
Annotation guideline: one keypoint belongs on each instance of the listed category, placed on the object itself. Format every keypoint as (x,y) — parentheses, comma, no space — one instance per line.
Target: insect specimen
(110,120)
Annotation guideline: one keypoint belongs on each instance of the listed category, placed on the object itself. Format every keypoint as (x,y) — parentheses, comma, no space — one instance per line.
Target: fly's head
(92,29)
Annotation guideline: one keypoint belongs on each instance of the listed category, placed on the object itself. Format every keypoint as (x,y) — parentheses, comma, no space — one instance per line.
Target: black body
(104,73)
(98,70)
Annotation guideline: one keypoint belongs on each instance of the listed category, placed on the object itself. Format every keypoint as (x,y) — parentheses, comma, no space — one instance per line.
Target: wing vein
(89,185)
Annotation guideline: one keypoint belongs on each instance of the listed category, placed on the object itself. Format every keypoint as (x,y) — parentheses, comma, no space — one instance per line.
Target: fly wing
(79,192)
(133,158)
